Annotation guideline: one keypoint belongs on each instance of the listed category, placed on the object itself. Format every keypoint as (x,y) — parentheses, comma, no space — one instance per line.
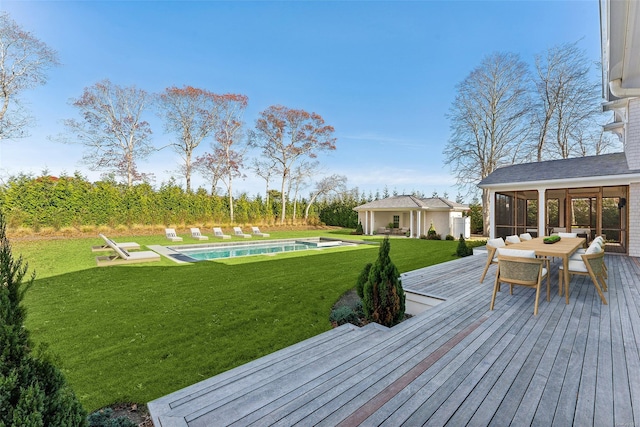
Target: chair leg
(486,268)
(594,279)
(496,287)
(535,307)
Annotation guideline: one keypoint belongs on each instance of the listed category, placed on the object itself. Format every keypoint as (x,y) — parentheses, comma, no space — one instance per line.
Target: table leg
(565,264)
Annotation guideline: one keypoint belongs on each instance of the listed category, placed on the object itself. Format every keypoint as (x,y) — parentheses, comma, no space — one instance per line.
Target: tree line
(73,201)
(112,126)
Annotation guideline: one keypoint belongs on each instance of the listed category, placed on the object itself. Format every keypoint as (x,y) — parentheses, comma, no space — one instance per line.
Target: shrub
(362,279)
(384,300)
(359,229)
(432,235)
(33,392)
(344,314)
(463,250)
(103,418)
(449,237)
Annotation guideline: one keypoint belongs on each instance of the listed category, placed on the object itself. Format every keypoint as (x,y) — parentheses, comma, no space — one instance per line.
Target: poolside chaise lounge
(237,231)
(256,232)
(122,256)
(171,235)
(217,232)
(196,234)
(129,246)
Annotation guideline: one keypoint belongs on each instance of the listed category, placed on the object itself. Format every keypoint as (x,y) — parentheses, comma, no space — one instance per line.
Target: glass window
(396,221)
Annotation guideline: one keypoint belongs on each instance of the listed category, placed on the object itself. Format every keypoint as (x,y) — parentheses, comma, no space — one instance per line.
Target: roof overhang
(620,34)
(593,181)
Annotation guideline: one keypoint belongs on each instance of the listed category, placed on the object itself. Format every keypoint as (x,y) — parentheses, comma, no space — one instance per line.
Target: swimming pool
(241,249)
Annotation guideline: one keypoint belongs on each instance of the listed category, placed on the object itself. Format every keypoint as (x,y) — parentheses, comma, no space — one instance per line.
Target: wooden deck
(456,364)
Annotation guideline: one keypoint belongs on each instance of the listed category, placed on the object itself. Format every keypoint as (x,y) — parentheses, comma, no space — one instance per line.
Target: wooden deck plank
(456,364)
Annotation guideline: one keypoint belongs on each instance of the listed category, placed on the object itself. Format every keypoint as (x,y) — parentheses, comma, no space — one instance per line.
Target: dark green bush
(449,237)
(359,229)
(33,392)
(362,279)
(463,250)
(384,300)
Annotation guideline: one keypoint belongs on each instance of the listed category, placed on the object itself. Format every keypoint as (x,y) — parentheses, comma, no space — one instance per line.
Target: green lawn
(137,332)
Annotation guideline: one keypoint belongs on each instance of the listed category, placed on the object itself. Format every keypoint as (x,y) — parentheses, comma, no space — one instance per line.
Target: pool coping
(175,256)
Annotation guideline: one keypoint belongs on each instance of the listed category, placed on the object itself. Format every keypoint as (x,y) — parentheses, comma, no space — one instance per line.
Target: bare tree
(335,183)
(189,113)
(265,169)
(298,181)
(286,135)
(112,129)
(567,102)
(24,62)
(488,121)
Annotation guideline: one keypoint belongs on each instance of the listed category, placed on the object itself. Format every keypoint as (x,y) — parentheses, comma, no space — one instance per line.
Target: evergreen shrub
(384,300)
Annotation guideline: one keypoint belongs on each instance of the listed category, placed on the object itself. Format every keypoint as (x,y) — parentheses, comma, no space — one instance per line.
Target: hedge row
(72,201)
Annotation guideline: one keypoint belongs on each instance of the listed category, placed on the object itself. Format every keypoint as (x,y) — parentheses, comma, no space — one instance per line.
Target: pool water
(232,251)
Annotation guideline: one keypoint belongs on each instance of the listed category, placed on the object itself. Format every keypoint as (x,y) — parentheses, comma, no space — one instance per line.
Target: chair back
(496,243)
(526,236)
(568,235)
(217,231)
(594,262)
(520,270)
(196,232)
(170,232)
(512,239)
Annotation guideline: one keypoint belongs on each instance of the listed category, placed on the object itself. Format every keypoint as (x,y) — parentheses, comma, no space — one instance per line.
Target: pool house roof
(409,202)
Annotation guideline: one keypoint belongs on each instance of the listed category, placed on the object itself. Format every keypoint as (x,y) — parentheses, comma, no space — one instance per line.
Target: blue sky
(383,74)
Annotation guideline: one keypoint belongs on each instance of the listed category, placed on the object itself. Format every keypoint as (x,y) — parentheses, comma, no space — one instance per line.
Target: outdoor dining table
(563,249)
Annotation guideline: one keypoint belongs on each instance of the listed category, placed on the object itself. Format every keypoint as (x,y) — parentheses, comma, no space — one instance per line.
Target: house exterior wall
(632,139)
(440,222)
(634,219)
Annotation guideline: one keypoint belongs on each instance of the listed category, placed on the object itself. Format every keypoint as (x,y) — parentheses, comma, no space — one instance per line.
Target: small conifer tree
(383,297)
(359,229)
(33,392)
(463,250)
(362,279)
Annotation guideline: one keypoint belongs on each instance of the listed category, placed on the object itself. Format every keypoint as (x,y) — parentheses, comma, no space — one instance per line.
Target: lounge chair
(237,231)
(196,234)
(122,256)
(256,232)
(171,235)
(217,232)
(129,246)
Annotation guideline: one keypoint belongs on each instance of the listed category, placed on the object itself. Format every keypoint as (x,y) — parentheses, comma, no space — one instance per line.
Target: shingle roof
(579,167)
(411,202)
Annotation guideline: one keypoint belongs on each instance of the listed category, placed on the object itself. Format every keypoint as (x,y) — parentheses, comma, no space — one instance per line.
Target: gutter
(616,89)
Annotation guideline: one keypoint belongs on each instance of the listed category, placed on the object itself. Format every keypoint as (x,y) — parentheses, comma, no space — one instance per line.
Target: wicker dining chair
(521,271)
(592,265)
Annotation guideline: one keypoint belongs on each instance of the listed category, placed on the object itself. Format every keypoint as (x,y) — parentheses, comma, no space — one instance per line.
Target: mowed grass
(137,332)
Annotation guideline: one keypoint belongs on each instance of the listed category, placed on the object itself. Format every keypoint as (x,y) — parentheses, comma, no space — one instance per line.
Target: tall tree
(567,102)
(265,169)
(190,114)
(286,135)
(299,180)
(334,183)
(488,121)
(112,129)
(24,62)
(229,137)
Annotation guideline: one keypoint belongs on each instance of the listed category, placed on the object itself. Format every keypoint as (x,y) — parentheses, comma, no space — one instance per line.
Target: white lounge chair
(237,231)
(122,256)
(129,246)
(171,235)
(256,232)
(217,232)
(196,234)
